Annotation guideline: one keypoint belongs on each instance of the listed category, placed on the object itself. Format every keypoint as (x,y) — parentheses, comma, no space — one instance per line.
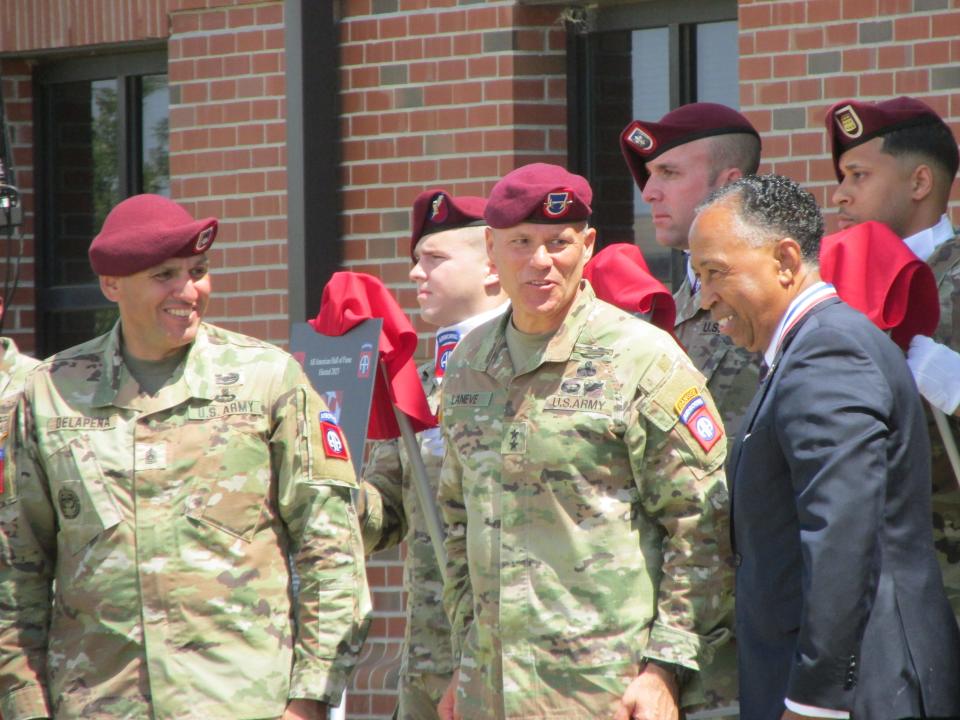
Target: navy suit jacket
(840,602)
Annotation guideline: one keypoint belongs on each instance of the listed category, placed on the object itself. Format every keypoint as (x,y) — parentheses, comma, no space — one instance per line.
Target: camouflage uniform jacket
(586,526)
(945,263)
(14,367)
(733,373)
(166,525)
(392,514)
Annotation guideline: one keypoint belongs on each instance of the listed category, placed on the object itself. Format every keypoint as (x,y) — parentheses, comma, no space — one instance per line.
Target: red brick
(894,7)
(947,25)
(810,143)
(774,93)
(452,22)
(483,19)
(911,28)
(805,90)
(894,56)
(270,14)
(789,65)
(908,82)
(422,24)
(393,27)
(931,53)
(789,13)
(840,86)
(755,16)
(859,8)
(754,68)
(859,59)
(844,34)
(242,17)
(807,38)
(876,84)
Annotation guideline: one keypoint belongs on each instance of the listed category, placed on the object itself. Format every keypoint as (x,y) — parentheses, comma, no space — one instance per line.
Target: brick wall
(797,57)
(228,151)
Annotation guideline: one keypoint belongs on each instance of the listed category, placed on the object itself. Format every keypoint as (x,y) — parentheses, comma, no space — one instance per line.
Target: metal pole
(425,497)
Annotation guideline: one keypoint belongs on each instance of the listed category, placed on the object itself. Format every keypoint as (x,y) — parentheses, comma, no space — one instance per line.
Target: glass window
(104,129)
(638,62)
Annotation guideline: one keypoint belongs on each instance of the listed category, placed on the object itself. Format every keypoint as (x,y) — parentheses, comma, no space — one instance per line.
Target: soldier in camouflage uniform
(169,477)
(896,161)
(677,162)
(457,290)
(582,487)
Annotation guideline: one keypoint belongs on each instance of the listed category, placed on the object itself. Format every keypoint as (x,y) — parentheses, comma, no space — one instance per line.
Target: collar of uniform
(924,243)
(113,386)
(687,301)
(560,345)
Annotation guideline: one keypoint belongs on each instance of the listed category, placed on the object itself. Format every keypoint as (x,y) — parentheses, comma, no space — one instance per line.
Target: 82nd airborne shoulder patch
(694,414)
(333,443)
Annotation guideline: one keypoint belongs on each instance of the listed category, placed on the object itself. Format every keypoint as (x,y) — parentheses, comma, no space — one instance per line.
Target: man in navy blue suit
(840,604)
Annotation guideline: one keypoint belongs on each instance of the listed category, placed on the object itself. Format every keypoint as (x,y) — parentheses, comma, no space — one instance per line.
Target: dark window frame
(680,18)
(127,68)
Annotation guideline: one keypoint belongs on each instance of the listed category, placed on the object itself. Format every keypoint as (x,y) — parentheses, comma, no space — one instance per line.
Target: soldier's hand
(653,695)
(302,709)
(447,707)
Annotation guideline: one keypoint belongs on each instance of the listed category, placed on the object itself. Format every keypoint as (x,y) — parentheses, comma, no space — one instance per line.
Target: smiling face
(453,276)
(680,179)
(540,268)
(161,308)
(875,186)
(743,286)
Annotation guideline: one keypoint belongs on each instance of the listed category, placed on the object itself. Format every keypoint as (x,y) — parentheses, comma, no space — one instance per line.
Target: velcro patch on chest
(150,456)
(514,439)
(222,409)
(696,417)
(467,399)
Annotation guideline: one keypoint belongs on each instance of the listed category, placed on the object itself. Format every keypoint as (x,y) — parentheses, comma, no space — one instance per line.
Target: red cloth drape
(876,273)
(620,276)
(348,299)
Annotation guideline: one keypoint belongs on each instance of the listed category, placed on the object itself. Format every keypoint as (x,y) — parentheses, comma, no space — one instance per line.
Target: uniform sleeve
(383,521)
(457,591)
(314,484)
(27,558)
(678,468)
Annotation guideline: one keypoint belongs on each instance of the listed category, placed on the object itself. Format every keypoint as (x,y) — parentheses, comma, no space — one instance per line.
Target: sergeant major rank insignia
(333,443)
(643,142)
(693,413)
(557,203)
(848,121)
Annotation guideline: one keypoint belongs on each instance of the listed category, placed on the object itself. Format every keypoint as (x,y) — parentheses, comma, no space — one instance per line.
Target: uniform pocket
(85,507)
(231,488)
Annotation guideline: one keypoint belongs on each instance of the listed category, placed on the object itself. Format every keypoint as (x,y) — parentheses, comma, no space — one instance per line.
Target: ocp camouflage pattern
(587,528)
(165,526)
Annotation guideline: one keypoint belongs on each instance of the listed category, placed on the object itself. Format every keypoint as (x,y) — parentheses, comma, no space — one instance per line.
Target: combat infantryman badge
(557,203)
(848,121)
(333,443)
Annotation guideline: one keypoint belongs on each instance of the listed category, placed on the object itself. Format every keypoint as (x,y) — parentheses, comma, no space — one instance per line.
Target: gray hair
(769,207)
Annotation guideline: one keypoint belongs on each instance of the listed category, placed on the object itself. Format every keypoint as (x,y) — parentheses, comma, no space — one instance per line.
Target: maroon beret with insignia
(852,122)
(143,231)
(641,141)
(539,193)
(438,210)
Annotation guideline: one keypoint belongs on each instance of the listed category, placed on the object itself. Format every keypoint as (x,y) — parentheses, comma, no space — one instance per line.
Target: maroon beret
(538,193)
(143,231)
(438,210)
(641,141)
(851,123)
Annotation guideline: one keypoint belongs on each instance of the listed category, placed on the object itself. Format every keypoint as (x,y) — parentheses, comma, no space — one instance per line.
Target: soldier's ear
(110,287)
(921,182)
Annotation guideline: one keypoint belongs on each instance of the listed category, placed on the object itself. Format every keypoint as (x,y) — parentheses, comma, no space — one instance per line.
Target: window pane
(717,63)
(66,329)
(155,105)
(85,182)
(651,101)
